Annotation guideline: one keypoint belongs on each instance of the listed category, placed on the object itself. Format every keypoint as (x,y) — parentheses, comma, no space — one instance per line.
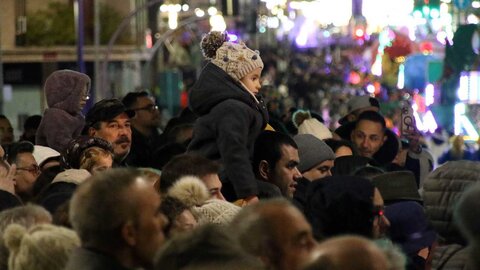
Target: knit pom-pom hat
(237,60)
(191,191)
(306,124)
(42,247)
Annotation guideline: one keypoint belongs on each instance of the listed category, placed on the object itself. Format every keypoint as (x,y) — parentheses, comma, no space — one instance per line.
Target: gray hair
(253,228)
(26,215)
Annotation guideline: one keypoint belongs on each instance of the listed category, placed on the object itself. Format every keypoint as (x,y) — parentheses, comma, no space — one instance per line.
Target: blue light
(233,37)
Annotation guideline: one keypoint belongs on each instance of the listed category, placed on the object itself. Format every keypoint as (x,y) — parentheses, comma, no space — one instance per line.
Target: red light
(354,78)
(359,32)
(148,41)
(426,47)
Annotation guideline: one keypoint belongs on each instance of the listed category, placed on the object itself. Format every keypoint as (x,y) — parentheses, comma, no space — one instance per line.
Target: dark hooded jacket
(229,122)
(337,205)
(8,200)
(63,120)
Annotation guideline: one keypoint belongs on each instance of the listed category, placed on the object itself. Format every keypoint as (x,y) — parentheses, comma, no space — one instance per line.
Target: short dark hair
(32,122)
(268,146)
(336,144)
(18,148)
(372,116)
(130,98)
(340,205)
(99,206)
(186,164)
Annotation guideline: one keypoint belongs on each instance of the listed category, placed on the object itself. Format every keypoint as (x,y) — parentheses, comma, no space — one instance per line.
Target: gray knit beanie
(312,151)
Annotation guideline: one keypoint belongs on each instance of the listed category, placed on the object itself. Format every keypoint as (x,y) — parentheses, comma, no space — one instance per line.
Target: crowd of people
(228,184)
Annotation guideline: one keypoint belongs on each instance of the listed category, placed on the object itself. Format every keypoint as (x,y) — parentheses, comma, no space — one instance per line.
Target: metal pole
(96,40)
(1,69)
(158,44)
(112,40)
(357,8)
(78,9)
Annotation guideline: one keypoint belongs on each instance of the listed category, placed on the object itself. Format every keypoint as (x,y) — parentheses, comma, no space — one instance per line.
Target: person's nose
(365,143)
(258,85)
(122,130)
(220,196)
(297,175)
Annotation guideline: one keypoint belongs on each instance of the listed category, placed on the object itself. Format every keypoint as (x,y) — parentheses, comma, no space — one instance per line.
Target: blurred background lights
(199,12)
(232,37)
(212,11)
(217,22)
(370,88)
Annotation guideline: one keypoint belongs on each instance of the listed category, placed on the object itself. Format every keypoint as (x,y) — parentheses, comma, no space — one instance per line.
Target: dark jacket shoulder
(89,259)
(8,200)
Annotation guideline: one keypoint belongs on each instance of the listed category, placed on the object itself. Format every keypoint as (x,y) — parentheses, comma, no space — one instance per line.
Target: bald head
(348,252)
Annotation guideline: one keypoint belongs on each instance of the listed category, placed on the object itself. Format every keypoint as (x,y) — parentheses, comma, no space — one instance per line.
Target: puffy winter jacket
(441,191)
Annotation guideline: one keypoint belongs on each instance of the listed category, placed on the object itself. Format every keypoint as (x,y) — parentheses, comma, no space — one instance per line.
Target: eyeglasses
(149,108)
(86,94)
(33,169)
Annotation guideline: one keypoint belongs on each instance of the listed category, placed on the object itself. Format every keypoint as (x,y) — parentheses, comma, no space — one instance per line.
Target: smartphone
(407,125)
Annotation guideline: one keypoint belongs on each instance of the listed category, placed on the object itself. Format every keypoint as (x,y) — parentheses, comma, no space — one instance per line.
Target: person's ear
(264,169)
(352,135)
(129,233)
(91,132)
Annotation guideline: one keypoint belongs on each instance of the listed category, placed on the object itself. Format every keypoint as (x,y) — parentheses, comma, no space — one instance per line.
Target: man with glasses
(21,154)
(145,124)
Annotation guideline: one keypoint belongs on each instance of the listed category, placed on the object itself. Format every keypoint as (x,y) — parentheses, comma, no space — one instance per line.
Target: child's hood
(213,87)
(64,89)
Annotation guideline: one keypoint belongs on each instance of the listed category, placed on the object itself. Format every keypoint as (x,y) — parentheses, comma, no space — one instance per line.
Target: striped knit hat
(237,60)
